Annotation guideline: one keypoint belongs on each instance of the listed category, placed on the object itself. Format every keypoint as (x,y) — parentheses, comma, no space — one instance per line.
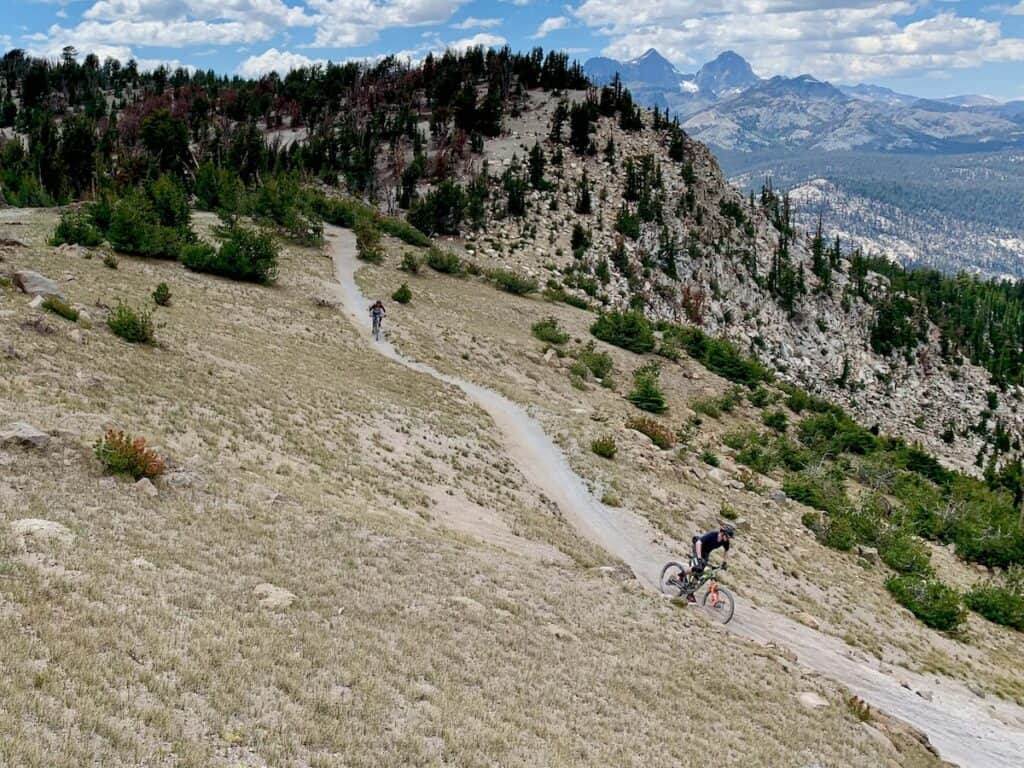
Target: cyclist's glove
(698,564)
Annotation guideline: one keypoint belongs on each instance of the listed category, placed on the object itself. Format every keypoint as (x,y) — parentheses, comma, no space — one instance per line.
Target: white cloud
(472,22)
(1017,10)
(346,23)
(437,46)
(177,23)
(273,60)
(842,40)
(549,25)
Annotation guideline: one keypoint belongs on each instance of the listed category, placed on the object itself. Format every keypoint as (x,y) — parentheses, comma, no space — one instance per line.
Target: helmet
(728,530)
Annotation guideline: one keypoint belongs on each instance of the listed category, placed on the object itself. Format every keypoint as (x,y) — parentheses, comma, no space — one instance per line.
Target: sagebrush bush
(75,228)
(717,355)
(549,331)
(513,282)
(937,605)
(162,295)
(604,447)
(61,308)
(110,261)
(647,394)
(660,435)
(245,254)
(446,262)
(121,454)
(709,458)
(403,294)
(134,326)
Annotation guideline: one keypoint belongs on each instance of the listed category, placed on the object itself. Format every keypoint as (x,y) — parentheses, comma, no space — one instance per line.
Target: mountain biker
(704,545)
(377,313)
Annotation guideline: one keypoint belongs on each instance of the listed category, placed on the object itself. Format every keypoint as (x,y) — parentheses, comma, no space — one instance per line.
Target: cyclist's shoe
(690,598)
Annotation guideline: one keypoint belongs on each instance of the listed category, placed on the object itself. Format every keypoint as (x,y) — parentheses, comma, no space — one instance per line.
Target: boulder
(273,598)
(145,487)
(20,433)
(812,700)
(31,528)
(868,553)
(35,284)
(778,496)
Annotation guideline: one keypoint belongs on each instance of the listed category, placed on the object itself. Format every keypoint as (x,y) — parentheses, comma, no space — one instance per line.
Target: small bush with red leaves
(123,455)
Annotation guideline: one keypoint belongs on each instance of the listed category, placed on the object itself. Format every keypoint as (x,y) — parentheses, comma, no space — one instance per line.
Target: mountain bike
(376,327)
(716,600)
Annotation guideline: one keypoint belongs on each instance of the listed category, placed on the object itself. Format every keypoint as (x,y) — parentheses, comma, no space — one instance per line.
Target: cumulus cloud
(179,23)
(474,23)
(273,60)
(434,44)
(549,25)
(842,40)
(344,23)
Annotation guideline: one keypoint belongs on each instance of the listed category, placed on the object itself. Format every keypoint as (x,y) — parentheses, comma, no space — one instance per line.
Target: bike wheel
(672,576)
(722,607)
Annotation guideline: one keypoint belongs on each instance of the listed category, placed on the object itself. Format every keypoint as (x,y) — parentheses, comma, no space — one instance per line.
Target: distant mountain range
(725,104)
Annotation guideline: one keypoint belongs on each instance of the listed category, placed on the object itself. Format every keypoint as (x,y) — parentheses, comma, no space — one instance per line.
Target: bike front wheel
(673,578)
(719,604)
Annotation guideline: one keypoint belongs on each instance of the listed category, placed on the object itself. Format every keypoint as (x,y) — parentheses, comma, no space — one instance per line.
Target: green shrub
(1001,604)
(604,447)
(368,247)
(558,294)
(75,228)
(218,189)
(709,458)
(548,330)
(659,434)
(776,420)
(123,455)
(836,433)
(162,295)
(905,553)
(440,211)
(599,363)
(410,263)
(403,295)
(811,521)
(760,397)
(647,394)
(937,605)
(446,262)
(708,406)
(404,231)
(717,355)
(110,261)
(61,308)
(134,326)
(816,490)
(245,254)
(837,533)
(170,203)
(513,282)
(629,330)
(135,228)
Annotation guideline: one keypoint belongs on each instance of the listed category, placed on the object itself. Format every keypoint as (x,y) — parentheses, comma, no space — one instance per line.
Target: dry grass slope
(395,630)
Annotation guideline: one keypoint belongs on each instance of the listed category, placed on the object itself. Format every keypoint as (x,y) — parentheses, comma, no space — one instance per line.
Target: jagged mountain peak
(727,72)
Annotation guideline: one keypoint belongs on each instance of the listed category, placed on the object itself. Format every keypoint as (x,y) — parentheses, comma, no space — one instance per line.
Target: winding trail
(963,728)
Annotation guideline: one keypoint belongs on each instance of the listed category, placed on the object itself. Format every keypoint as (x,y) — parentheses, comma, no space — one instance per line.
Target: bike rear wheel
(719,604)
(673,576)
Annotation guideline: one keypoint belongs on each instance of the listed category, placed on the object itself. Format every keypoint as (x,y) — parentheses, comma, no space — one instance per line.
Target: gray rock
(145,487)
(868,553)
(778,496)
(20,433)
(35,284)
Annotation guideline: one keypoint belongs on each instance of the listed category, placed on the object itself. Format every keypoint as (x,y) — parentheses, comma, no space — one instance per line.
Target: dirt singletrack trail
(960,726)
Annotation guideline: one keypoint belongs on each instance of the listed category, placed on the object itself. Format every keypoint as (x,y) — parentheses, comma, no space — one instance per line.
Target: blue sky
(926,47)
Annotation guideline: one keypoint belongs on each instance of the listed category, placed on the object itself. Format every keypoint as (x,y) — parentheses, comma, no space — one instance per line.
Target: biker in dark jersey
(704,545)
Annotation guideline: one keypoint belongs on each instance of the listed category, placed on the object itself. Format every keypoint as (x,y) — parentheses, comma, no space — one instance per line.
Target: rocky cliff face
(725,248)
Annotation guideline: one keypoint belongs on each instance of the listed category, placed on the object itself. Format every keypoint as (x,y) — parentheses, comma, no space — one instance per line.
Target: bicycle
(717,601)
(377,319)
